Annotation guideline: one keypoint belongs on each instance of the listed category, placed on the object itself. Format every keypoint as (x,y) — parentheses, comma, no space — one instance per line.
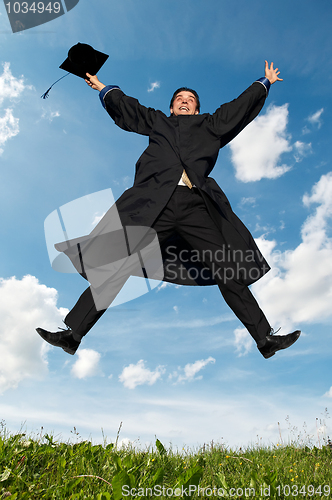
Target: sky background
(174,363)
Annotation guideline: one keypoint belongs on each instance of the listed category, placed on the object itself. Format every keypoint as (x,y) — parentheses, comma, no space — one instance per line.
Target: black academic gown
(191,143)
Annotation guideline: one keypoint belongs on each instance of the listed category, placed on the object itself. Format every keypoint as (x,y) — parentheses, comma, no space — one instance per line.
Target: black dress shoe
(276,342)
(63,339)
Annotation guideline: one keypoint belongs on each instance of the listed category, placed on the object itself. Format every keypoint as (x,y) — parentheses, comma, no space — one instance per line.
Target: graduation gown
(176,143)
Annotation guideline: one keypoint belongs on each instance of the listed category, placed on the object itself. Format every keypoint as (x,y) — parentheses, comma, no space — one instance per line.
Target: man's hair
(198,104)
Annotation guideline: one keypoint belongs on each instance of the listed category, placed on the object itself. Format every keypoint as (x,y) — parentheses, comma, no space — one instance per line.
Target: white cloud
(191,369)
(50,115)
(257,150)
(134,375)
(153,86)
(8,127)
(86,364)
(166,284)
(97,218)
(163,285)
(315,118)
(302,149)
(243,342)
(328,394)
(299,287)
(24,305)
(10,88)
(126,442)
(248,201)
(126,180)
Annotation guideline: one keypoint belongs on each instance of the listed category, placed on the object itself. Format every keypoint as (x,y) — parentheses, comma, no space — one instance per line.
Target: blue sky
(174,363)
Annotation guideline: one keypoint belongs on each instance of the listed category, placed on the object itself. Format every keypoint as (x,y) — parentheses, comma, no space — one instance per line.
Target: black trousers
(187,215)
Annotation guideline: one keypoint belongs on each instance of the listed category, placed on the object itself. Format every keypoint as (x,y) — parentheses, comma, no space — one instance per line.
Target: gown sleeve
(127,112)
(230,118)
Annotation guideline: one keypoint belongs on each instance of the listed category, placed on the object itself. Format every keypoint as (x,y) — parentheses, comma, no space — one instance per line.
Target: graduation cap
(82,59)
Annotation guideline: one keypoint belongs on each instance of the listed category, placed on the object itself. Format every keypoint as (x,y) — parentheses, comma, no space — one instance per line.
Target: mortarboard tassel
(45,95)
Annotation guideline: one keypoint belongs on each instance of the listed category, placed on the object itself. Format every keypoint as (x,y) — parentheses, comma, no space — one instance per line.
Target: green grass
(42,468)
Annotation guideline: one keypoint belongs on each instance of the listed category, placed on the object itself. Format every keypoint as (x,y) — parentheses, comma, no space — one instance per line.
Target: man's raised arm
(126,111)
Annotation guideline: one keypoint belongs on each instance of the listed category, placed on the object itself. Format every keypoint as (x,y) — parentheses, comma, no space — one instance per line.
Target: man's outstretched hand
(94,83)
(271,73)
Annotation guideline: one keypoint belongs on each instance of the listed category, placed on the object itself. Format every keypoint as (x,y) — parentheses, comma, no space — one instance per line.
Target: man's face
(184,104)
